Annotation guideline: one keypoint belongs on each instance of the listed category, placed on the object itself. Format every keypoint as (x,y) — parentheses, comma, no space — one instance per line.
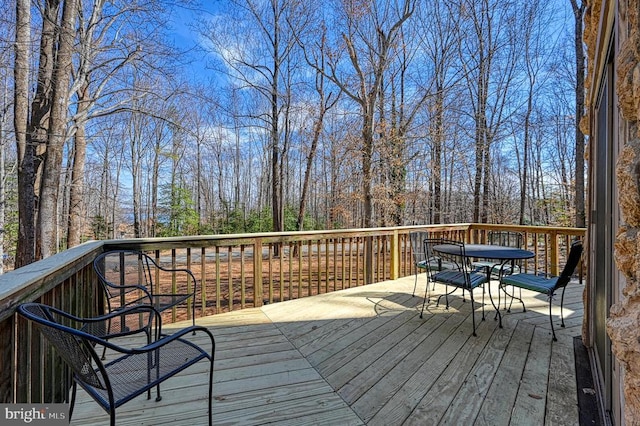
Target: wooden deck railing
(234,272)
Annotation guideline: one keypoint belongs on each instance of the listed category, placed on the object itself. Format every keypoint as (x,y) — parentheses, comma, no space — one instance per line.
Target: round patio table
(487,251)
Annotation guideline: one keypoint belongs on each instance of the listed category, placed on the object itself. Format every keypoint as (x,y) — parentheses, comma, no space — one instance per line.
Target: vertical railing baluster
(243,278)
(174,286)
(270,272)
(230,278)
(203,281)
(189,284)
(218,279)
(326,265)
(257,273)
(309,267)
(281,274)
(299,251)
(290,263)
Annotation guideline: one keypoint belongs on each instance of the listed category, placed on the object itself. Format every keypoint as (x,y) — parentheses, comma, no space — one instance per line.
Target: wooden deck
(364,356)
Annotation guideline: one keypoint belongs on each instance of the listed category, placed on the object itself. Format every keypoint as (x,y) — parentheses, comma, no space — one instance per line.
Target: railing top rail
(29,282)
(265,237)
(529,228)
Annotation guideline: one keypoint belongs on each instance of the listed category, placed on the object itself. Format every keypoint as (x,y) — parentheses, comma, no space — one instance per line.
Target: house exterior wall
(604,22)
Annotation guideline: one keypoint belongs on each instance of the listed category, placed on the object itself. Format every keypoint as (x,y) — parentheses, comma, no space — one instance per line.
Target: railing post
(469,236)
(395,256)
(553,253)
(8,360)
(368,259)
(257,272)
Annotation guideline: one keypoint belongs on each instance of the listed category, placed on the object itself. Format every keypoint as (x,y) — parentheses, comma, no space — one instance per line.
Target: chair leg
(482,302)
(210,408)
(424,301)
(473,314)
(561,307)
(158,396)
(553,331)
(415,285)
(73,399)
(148,333)
(193,315)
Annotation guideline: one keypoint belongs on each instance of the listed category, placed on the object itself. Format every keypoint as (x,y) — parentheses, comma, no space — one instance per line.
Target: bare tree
(325,102)
(578,12)
(5,107)
(370,34)
(489,55)
(440,37)
(26,156)
(261,59)
(534,57)
(47,241)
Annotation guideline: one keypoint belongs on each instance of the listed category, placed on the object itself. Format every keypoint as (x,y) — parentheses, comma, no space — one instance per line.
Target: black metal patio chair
(464,277)
(546,284)
(501,238)
(129,278)
(499,268)
(133,371)
(423,257)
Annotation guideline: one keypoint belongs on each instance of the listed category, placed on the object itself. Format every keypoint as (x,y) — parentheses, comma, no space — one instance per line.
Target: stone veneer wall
(623,324)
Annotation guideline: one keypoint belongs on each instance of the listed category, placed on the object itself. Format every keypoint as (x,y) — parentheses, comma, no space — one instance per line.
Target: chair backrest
(416,239)
(505,238)
(572,262)
(118,268)
(456,255)
(74,346)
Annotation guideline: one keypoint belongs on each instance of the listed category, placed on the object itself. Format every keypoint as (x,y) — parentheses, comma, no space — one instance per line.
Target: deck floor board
(364,356)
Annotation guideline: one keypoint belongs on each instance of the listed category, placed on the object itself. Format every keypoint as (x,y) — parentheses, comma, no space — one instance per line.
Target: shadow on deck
(364,356)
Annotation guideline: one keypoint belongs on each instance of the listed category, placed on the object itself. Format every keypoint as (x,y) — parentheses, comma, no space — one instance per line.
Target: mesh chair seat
(130,376)
(435,264)
(467,280)
(538,283)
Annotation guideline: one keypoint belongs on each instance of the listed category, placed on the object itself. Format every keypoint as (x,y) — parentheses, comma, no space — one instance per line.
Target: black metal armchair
(134,371)
(423,257)
(129,278)
(546,284)
(461,278)
(501,238)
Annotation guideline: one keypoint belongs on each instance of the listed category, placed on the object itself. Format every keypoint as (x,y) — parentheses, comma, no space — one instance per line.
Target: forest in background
(151,118)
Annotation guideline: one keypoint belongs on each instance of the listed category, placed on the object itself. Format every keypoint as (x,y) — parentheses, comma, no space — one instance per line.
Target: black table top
(486,251)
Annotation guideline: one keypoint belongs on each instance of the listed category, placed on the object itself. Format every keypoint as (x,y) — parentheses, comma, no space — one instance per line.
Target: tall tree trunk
(367,174)
(276,177)
(525,159)
(436,156)
(76,191)
(480,133)
(3,159)
(486,161)
(317,130)
(578,11)
(26,153)
(47,242)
